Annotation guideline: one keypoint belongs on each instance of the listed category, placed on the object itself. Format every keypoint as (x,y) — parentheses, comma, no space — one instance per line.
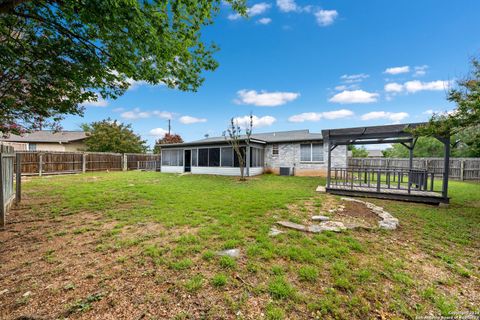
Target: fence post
(3,208)
(462,168)
(40,164)
(18,175)
(84,162)
(124,162)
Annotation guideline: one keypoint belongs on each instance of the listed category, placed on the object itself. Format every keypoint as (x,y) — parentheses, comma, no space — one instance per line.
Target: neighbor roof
(266,137)
(48,136)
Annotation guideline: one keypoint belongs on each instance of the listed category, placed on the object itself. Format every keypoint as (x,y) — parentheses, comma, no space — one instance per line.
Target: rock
(292,225)
(274,232)
(336,226)
(314,228)
(332,210)
(27,294)
(388,224)
(320,218)
(3,291)
(321,189)
(234,253)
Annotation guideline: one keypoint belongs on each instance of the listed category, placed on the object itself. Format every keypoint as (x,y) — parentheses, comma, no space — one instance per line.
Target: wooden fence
(44,163)
(7,191)
(460,168)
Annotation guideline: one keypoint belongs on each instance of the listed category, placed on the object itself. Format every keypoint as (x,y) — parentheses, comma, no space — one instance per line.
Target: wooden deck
(388,193)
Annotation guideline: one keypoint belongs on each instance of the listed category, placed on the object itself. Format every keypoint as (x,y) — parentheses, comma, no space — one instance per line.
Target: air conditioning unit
(286,171)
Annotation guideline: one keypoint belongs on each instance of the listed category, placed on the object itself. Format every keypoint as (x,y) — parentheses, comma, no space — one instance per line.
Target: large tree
(111,136)
(55,55)
(168,138)
(465,119)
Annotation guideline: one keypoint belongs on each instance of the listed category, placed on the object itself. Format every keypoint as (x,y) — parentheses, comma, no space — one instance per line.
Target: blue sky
(313,65)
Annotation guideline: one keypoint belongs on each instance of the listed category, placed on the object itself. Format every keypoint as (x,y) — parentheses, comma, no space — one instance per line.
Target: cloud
(264,21)
(416,85)
(397,70)
(354,96)
(317,116)
(158,132)
(288,6)
(392,116)
(264,98)
(420,70)
(352,78)
(429,112)
(258,122)
(325,17)
(191,120)
(253,11)
(136,114)
(98,102)
(393,87)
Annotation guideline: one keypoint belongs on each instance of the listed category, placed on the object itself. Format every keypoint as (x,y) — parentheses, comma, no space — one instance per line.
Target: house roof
(375,153)
(47,136)
(266,137)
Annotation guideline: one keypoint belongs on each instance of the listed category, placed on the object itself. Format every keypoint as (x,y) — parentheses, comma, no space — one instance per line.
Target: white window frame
(311,154)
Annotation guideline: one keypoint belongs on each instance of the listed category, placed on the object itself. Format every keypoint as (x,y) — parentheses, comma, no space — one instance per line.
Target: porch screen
(172,158)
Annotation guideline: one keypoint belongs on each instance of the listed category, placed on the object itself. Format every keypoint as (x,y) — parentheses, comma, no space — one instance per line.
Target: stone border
(388,221)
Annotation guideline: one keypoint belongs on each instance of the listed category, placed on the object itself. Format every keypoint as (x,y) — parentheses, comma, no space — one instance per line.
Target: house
(299,152)
(47,140)
(374,154)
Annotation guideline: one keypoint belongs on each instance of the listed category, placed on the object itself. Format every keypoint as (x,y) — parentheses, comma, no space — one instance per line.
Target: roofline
(201,143)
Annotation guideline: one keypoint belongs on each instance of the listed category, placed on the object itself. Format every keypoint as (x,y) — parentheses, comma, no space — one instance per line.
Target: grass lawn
(140,245)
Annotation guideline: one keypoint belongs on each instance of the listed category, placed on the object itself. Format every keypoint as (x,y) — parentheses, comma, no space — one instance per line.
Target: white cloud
(264,21)
(354,96)
(420,70)
(253,11)
(317,116)
(258,122)
(325,17)
(393,87)
(288,5)
(392,116)
(158,132)
(191,120)
(416,85)
(429,112)
(136,114)
(352,78)
(397,70)
(265,99)
(163,114)
(98,102)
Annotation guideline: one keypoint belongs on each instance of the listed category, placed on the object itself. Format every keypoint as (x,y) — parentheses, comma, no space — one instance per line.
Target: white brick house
(304,153)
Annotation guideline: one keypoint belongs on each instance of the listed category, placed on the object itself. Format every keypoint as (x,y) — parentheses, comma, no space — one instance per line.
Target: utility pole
(169,126)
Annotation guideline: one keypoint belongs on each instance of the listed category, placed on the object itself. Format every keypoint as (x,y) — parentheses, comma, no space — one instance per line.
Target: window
(32,147)
(214,157)
(235,157)
(275,149)
(227,157)
(172,157)
(256,157)
(311,152)
(194,157)
(203,157)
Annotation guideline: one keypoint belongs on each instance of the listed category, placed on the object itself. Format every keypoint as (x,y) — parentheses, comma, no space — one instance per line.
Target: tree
(425,147)
(55,55)
(358,152)
(466,116)
(235,139)
(112,136)
(167,139)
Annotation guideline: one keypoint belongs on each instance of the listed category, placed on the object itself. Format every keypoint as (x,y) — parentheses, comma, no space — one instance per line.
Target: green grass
(172,226)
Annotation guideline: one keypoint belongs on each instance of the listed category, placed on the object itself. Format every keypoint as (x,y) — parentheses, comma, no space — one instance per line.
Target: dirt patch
(357,214)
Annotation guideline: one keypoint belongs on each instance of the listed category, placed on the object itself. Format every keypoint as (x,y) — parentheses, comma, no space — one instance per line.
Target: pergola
(390,183)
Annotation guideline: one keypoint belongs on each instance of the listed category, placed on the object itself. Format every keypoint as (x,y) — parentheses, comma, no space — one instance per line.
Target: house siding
(226,171)
(289,156)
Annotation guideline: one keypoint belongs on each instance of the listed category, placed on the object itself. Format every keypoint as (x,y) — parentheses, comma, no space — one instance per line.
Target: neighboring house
(375,154)
(47,140)
(304,153)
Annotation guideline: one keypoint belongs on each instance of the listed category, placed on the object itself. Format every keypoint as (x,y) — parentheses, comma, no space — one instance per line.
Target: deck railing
(381,178)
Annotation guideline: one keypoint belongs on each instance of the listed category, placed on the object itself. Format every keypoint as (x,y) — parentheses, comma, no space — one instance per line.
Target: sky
(312,65)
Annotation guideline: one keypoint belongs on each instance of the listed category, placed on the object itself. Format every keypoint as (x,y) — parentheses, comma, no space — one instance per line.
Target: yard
(137,245)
